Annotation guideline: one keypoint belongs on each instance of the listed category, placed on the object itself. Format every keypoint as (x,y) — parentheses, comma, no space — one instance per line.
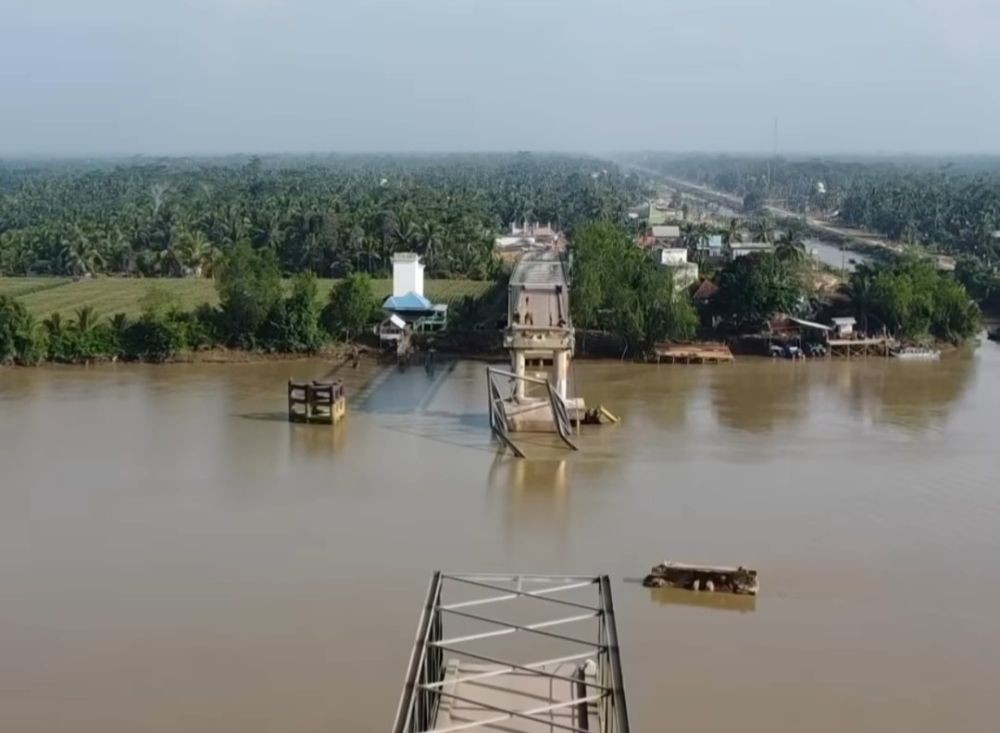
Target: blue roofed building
(408,309)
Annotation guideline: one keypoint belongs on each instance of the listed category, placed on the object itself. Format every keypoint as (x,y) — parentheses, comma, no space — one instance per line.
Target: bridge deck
(538,294)
(519,654)
(479,699)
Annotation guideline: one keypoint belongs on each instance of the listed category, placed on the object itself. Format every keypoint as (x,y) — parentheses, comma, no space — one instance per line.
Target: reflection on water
(911,395)
(778,395)
(176,556)
(701,599)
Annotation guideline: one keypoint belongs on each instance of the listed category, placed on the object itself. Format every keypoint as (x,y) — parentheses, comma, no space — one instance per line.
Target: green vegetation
(253,309)
(352,306)
(249,292)
(909,298)
(619,289)
(20,341)
(44,296)
(295,323)
(330,215)
(755,287)
(913,301)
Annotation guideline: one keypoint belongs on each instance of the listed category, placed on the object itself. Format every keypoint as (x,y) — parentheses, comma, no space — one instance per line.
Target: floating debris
(741,580)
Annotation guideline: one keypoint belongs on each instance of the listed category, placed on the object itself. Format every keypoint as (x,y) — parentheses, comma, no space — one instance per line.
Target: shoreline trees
(619,289)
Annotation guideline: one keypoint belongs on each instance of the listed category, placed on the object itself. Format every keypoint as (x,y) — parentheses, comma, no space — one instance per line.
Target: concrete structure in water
(468,670)
(539,333)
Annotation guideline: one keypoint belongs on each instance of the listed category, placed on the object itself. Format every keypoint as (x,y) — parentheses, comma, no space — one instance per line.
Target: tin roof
(409,302)
(667,231)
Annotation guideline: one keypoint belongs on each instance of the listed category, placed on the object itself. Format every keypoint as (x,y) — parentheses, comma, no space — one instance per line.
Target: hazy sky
(202,76)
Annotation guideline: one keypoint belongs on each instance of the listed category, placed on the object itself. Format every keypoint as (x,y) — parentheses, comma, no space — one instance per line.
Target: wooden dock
(316,402)
(849,348)
(693,353)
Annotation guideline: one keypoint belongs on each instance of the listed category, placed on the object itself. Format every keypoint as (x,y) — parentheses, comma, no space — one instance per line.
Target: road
(850,237)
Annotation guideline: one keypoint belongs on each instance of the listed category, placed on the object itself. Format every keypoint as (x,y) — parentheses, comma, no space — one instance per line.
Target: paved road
(866,239)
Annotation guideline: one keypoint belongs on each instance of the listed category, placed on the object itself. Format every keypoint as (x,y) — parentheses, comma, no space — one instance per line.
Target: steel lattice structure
(453,684)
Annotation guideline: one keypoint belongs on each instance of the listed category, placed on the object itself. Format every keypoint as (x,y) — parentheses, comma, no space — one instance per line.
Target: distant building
(702,300)
(407,307)
(675,259)
(711,247)
(670,256)
(660,212)
(665,234)
(684,275)
(741,249)
(656,215)
(528,237)
(944,263)
(843,328)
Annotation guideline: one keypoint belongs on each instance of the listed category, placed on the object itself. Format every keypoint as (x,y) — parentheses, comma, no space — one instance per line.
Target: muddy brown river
(175,557)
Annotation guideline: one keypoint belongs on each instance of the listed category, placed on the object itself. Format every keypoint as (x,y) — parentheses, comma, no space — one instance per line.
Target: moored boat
(916,353)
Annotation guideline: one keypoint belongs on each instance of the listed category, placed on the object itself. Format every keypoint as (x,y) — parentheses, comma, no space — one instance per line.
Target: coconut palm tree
(790,247)
(733,232)
(195,253)
(762,229)
(86,319)
(53,325)
(79,255)
(861,290)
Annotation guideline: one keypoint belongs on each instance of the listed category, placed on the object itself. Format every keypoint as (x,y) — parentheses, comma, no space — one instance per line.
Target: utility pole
(774,157)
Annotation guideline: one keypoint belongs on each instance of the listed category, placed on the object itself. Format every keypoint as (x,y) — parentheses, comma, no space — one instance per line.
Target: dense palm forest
(329,215)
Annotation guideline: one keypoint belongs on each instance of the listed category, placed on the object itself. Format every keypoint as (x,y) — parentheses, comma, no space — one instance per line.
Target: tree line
(907,298)
(256,311)
(329,215)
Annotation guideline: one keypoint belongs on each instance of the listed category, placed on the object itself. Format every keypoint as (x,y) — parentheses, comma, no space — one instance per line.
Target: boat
(916,353)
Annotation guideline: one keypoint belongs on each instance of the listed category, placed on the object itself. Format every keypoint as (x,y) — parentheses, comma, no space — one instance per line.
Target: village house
(945,263)
(843,328)
(741,249)
(407,309)
(528,237)
(675,259)
(710,248)
(702,299)
(660,212)
(665,235)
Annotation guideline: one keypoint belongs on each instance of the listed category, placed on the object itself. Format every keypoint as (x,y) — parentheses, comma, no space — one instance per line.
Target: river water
(834,256)
(175,557)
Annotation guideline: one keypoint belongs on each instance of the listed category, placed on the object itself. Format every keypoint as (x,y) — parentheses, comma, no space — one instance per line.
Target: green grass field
(44,296)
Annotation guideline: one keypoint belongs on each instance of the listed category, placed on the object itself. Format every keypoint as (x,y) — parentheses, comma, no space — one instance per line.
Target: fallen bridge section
(515,653)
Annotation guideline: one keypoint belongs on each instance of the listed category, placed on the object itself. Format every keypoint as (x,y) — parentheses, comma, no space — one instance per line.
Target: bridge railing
(498,415)
(593,692)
